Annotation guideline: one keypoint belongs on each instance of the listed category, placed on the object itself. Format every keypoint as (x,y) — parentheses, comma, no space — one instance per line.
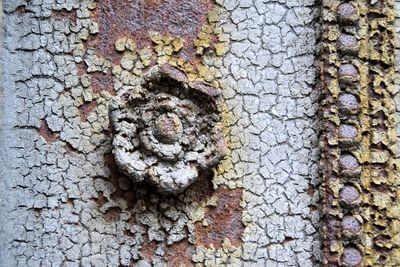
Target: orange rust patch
(135,19)
(180,254)
(102,82)
(225,220)
(48,135)
(86,109)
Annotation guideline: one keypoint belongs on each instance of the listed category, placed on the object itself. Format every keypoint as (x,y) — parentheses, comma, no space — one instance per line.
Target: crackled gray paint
(49,214)
(269,73)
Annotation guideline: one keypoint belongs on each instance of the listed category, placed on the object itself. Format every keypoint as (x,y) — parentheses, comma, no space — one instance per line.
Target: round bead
(348,162)
(347,131)
(349,194)
(346,13)
(347,70)
(349,102)
(168,128)
(351,257)
(351,225)
(348,43)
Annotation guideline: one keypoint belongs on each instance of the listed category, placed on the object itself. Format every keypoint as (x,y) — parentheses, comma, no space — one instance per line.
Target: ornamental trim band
(358,141)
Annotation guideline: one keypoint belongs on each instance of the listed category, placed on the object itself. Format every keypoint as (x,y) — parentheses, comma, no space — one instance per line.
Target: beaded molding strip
(358,137)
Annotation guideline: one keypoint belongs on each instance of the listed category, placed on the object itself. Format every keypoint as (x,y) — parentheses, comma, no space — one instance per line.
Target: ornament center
(168,128)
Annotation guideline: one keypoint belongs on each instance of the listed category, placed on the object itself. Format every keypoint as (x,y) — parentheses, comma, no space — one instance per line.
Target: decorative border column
(358,137)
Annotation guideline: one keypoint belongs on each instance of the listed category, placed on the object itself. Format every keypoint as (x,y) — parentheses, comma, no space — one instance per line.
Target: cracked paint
(65,203)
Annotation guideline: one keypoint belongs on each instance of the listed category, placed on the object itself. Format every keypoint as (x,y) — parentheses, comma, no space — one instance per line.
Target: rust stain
(180,254)
(82,68)
(63,13)
(112,214)
(148,249)
(224,220)
(86,109)
(48,135)
(202,188)
(102,82)
(69,149)
(135,19)
(101,200)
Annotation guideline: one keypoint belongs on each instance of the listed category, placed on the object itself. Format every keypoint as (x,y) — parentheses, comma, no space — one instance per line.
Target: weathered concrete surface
(63,201)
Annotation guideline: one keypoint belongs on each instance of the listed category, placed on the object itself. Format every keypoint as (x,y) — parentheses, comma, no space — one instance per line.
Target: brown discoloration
(86,109)
(21,9)
(48,135)
(174,73)
(115,175)
(81,68)
(180,254)
(112,214)
(148,249)
(101,199)
(135,19)
(224,221)
(202,188)
(102,82)
(69,149)
(63,13)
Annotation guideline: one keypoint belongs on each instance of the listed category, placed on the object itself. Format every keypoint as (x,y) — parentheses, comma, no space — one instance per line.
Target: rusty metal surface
(136,19)
(222,221)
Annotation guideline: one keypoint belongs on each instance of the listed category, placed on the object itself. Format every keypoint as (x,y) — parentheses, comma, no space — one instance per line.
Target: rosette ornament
(166,130)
